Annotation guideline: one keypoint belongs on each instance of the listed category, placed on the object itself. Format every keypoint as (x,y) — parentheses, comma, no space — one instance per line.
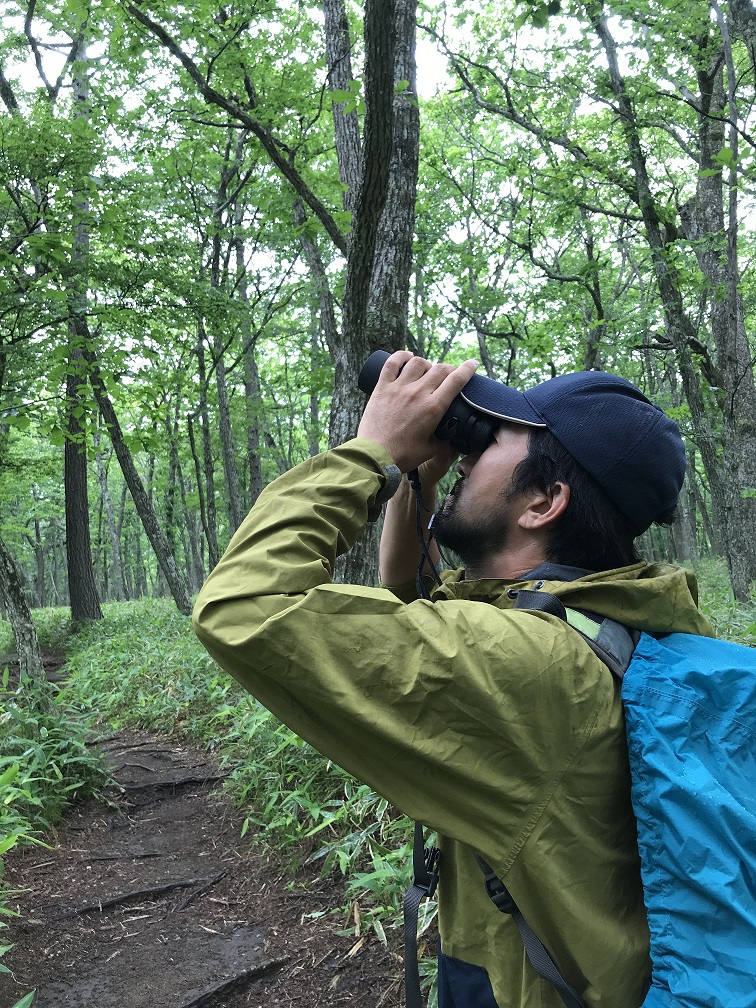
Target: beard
(473,540)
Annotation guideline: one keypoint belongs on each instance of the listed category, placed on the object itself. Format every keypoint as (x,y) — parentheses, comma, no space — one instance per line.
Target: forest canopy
(209,217)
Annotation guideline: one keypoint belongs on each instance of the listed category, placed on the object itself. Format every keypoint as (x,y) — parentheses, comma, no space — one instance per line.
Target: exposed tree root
(209,996)
(200,890)
(138,894)
(176,782)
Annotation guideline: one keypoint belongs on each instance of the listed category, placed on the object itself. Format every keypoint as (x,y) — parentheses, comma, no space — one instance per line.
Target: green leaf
(725,156)
(26,1002)
(10,774)
(18,420)
(7,842)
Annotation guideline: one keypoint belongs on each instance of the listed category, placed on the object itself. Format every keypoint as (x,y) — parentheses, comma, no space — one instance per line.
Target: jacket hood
(657,598)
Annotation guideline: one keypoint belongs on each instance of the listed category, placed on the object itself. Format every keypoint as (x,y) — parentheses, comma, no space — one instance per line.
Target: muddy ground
(154,899)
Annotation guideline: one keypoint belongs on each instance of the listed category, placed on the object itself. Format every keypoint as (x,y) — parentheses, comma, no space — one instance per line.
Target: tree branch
(509,112)
(268,142)
(34,46)
(7,95)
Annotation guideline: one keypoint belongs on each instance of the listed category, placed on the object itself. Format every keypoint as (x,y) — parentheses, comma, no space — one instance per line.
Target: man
(499,728)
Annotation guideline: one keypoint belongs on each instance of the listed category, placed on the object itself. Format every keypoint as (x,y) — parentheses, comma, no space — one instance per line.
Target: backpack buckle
(425,876)
(499,894)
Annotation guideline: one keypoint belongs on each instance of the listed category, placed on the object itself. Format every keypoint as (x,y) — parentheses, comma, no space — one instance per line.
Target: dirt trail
(155,900)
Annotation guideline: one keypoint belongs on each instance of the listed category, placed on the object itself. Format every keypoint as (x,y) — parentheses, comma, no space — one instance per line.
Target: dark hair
(591,532)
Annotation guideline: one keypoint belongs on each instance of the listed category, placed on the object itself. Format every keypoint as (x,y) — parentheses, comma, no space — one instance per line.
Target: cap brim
(500,401)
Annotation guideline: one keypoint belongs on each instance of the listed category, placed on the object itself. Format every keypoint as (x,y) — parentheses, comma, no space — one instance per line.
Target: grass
(45,764)
(731,619)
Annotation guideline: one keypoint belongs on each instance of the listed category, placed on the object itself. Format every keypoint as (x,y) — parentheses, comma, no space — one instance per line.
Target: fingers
(394,364)
(459,376)
(408,401)
(439,463)
(402,366)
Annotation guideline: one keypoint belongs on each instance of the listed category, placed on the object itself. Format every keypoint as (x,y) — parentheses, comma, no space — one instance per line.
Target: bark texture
(19,615)
(388,308)
(345,124)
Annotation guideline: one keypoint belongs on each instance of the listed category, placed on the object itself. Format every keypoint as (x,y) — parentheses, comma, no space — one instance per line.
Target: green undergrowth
(44,765)
(732,620)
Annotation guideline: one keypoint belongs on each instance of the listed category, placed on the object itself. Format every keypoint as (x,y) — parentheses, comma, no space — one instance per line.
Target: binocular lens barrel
(462,425)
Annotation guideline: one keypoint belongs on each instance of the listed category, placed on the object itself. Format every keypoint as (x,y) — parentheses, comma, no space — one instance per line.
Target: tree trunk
(119,585)
(208,529)
(211,524)
(388,309)
(726,475)
(173,576)
(345,124)
(191,524)
(19,615)
(744,23)
(380,35)
(218,274)
(253,409)
(252,390)
(712,229)
(225,433)
(56,565)
(313,432)
(39,556)
(359,565)
(319,276)
(82,593)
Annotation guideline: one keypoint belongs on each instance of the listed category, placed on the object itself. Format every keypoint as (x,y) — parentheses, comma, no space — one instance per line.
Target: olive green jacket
(498,728)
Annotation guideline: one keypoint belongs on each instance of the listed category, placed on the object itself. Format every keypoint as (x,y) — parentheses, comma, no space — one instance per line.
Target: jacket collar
(556,572)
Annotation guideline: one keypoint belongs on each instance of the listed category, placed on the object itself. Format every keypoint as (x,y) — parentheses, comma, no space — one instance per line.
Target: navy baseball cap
(630,447)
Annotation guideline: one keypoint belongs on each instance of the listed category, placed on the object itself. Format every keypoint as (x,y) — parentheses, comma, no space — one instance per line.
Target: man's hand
(407,404)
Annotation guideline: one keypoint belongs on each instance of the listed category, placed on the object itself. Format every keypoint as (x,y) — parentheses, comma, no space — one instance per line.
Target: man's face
(476,518)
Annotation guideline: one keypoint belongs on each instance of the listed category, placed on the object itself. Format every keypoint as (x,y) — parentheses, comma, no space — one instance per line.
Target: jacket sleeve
(446,710)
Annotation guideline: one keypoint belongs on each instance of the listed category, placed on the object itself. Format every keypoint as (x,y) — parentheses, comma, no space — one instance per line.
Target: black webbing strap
(541,602)
(425,554)
(425,868)
(425,862)
(537,955)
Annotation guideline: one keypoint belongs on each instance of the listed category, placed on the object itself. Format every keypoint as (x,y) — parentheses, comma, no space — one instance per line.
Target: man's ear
(545,507)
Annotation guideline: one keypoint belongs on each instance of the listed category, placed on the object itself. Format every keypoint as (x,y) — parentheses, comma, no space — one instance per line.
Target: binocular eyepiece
(467,429)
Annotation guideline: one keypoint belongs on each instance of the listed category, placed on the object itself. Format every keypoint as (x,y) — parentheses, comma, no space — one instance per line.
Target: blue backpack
(690,710)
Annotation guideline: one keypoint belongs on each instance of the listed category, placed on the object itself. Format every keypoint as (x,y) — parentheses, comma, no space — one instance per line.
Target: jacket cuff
(393,477)
(390,473)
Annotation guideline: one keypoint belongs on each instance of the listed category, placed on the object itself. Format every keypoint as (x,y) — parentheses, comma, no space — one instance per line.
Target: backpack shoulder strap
(539,958)
(610,641)
(426,863)
(614,644)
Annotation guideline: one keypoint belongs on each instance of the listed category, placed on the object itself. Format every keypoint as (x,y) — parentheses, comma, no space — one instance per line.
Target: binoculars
(467,429)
